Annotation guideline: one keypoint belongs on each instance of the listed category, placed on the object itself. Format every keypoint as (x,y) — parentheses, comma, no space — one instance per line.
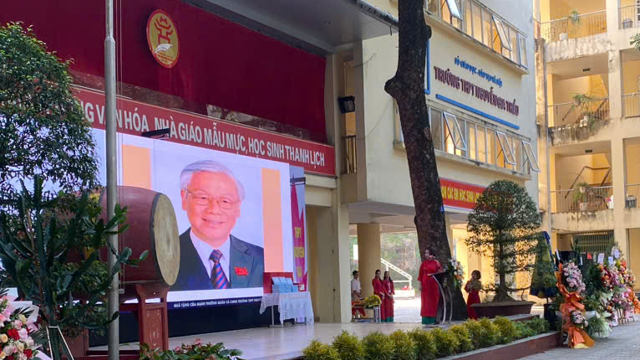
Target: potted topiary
(544,281)
(580,196)
(504,227)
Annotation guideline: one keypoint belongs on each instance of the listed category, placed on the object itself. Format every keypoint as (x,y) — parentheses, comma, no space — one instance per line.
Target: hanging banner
(298,220)
(459,195)
(134,118)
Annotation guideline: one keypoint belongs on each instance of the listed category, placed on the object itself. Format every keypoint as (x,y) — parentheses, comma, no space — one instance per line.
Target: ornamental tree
(504,226)
(42,127)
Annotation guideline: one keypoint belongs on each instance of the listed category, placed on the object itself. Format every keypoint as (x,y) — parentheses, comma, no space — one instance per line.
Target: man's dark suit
(244,256)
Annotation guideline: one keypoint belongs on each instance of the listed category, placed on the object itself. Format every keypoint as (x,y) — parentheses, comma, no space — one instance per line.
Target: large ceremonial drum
(153,227)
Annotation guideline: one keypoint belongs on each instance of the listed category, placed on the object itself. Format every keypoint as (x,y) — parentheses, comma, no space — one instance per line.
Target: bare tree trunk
(407,87)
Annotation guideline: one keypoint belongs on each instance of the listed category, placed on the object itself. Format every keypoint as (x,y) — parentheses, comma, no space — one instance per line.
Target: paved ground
(623,344)
(408,311)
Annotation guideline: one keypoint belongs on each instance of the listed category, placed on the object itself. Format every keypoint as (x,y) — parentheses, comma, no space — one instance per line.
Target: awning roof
(318,26)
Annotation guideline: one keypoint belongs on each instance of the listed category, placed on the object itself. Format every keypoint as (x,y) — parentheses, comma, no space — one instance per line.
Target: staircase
(407,276)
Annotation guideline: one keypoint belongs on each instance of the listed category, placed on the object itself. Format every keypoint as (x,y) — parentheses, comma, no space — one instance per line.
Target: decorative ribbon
(578,338)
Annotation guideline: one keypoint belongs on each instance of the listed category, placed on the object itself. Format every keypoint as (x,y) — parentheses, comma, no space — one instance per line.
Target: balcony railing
(570,113)
(631,105)
(632,193)
(350,159)
(629,16)
(573,28)
(591,198)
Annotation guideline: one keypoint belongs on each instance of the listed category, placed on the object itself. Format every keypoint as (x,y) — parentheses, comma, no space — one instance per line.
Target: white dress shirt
(355,286)
(204,251)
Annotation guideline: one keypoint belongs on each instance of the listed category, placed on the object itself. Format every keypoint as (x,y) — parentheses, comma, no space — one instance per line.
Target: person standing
(473,287)
(378,289)
(429,292)
(356,294)
(388,299)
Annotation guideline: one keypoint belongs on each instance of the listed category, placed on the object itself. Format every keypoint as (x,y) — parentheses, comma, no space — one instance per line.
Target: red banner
(460,195)
(135,118)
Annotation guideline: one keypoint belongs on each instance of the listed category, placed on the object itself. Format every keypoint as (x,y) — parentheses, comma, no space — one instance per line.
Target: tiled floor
(282,343)
(623,344)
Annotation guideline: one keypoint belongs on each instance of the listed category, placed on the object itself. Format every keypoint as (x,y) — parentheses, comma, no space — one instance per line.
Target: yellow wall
(634,253)
(632,154)
(630,75)
(571,166)
(558,9)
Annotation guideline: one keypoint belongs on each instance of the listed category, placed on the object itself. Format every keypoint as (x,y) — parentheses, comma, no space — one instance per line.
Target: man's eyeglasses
(204,199)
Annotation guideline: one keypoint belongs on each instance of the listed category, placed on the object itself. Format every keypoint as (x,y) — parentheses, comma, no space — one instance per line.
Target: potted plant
(504,227)
(50,253)
(580,196)
(544,281)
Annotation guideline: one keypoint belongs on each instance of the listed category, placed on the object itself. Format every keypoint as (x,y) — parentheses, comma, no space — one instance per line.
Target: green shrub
(491,332)
(466,344)
(348,346)
(319,351)
(475,331)
(538,325)
(446,342)
(523,331)
(378,346)
(425,344)
(405,347)
(507,329)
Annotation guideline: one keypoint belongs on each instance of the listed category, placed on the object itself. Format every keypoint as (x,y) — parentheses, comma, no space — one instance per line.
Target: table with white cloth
(290,305)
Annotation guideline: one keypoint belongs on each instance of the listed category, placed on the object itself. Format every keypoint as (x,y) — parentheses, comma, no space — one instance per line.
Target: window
(486,28)
(436,128)
(477,21)
(530,156)
(523,51)
(473,149)
(427,72)
(482,143)
(513,38)
(491,146)
(468,20)
(502,33)
(454,9)
(506,149)
(454,132)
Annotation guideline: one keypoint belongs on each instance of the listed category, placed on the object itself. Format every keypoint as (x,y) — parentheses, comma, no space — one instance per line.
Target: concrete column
(330,268)
(359,91)
(369,254)
(613,14)
(615,84)
(619,180)
(332,264)
(447,222)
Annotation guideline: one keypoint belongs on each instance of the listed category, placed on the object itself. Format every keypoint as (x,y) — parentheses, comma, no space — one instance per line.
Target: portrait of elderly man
(211,258)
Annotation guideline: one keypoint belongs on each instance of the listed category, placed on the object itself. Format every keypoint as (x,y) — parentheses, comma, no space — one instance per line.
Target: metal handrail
(408,276)
(580,173)
(579,15)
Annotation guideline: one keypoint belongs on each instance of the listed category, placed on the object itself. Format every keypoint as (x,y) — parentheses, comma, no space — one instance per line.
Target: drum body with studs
(152,226)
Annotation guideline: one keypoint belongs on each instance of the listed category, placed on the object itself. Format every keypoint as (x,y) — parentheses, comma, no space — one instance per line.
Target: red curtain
(221,63)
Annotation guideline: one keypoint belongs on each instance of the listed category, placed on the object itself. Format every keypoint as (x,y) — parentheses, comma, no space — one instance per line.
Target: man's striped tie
(218,279)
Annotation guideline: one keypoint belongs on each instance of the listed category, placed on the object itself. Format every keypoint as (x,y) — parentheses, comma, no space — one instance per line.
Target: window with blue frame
(427,72)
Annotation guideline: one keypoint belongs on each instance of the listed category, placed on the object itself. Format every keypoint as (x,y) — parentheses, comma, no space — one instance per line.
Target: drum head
(166,239)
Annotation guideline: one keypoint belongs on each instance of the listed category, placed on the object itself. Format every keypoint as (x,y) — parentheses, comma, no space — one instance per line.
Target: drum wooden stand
(153,323)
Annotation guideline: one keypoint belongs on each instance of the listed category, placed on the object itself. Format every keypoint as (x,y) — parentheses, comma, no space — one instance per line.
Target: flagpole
(112,175)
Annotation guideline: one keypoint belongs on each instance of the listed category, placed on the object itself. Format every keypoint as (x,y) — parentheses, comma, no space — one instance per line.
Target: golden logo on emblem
(162,37)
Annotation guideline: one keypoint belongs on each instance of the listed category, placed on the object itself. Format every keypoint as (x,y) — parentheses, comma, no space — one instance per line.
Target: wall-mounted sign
(487,96)
(135,118)
(162,37)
